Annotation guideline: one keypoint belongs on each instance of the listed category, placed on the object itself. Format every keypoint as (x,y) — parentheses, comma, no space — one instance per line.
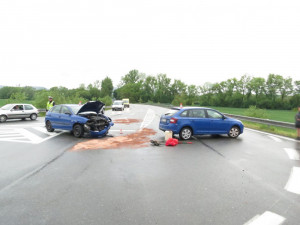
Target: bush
(179,99)
(106,100)
(256,112)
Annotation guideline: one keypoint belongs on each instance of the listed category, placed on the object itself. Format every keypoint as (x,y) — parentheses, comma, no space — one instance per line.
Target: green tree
(274,84)
(148,89)
(192,93)
(132,77)
(257,85)
(286,88)
(106,87)
(163,93)
(18,96)
(178,88)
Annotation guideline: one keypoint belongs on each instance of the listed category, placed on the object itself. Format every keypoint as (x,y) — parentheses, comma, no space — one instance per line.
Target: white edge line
(14,140)
(268,218)
(275,138)
(282,137)
(45,139)
(293,184)
(292,153)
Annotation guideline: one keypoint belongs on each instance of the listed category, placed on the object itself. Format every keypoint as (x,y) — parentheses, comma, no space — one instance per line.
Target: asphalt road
(254,179)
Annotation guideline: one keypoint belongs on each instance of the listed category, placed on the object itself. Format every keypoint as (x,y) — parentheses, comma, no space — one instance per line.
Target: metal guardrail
(263,121)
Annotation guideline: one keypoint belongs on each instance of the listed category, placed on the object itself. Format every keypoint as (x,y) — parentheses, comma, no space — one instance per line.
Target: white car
(118,105)
(18,111)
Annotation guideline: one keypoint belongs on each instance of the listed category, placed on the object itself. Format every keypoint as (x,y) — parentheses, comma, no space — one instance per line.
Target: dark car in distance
(189,121)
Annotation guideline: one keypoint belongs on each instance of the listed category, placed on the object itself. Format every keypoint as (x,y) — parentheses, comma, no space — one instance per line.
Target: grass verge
(287,132)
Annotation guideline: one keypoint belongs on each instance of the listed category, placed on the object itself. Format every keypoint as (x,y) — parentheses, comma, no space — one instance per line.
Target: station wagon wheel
(3,118)
(49,126)
(77,130)
(33,116)
(185,133)
(234,132)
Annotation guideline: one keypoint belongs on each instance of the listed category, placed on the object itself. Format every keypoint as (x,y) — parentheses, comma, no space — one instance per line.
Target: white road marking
(268,218)
(44,130)
(292,153)
(22,135)
(149,117)
(281,137)
(293,185)
(7,132)
(31,136)
(10,135)
(23,125)
(275,138)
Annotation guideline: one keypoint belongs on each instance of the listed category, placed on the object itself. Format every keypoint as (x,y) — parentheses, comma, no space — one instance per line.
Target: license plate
(163,120)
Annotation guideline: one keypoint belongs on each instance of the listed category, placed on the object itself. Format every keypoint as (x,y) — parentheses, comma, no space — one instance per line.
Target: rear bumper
(170,127)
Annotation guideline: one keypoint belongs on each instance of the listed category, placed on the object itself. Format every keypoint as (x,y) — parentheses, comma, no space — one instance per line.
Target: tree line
(99,90)
(275,92)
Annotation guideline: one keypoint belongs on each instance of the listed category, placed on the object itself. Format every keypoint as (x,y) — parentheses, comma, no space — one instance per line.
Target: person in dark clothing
(297,123)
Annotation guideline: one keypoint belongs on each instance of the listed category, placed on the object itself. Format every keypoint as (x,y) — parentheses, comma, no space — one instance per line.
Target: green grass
(271,129)
(278,115)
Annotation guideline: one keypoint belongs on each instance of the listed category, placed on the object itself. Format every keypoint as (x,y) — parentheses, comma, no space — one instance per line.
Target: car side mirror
(67,113)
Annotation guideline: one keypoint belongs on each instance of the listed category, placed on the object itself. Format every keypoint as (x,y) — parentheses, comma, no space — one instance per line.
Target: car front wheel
(3,118)
(186,133)
(77,130)
(49,126)
(234,132)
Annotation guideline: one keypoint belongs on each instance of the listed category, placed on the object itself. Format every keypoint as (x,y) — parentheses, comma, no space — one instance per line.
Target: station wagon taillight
(173,120)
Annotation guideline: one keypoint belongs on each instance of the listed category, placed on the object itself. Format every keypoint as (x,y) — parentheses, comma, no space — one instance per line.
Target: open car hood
(96,107)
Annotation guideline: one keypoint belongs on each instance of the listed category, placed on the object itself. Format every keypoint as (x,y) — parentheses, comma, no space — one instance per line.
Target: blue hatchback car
(88,118)
(189,121)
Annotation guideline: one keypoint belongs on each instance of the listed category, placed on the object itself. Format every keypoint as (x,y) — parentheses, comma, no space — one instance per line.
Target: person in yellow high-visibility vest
(50,103)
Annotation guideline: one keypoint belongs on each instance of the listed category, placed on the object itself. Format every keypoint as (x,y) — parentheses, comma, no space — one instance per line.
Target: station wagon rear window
(171,112)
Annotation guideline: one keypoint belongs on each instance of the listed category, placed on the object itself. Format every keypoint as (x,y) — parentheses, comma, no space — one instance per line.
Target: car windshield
(126,101)
(7,107)
(117,103)
(171,112)
(75,108)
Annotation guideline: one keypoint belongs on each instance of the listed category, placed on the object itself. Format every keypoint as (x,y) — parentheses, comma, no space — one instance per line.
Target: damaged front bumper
(97,126)
(101,133)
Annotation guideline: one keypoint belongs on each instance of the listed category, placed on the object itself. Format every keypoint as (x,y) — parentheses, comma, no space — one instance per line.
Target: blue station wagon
(88,118)
(189,121)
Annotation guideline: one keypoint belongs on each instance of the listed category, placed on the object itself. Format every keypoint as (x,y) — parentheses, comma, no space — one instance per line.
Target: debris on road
(156,143)
(126,121)
(172,142)
(135,140)
(169,142)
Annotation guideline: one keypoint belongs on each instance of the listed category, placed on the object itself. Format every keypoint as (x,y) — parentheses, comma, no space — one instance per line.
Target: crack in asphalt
(211,148)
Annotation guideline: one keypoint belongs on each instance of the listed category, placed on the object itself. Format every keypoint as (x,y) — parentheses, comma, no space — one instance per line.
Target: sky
(70,42)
